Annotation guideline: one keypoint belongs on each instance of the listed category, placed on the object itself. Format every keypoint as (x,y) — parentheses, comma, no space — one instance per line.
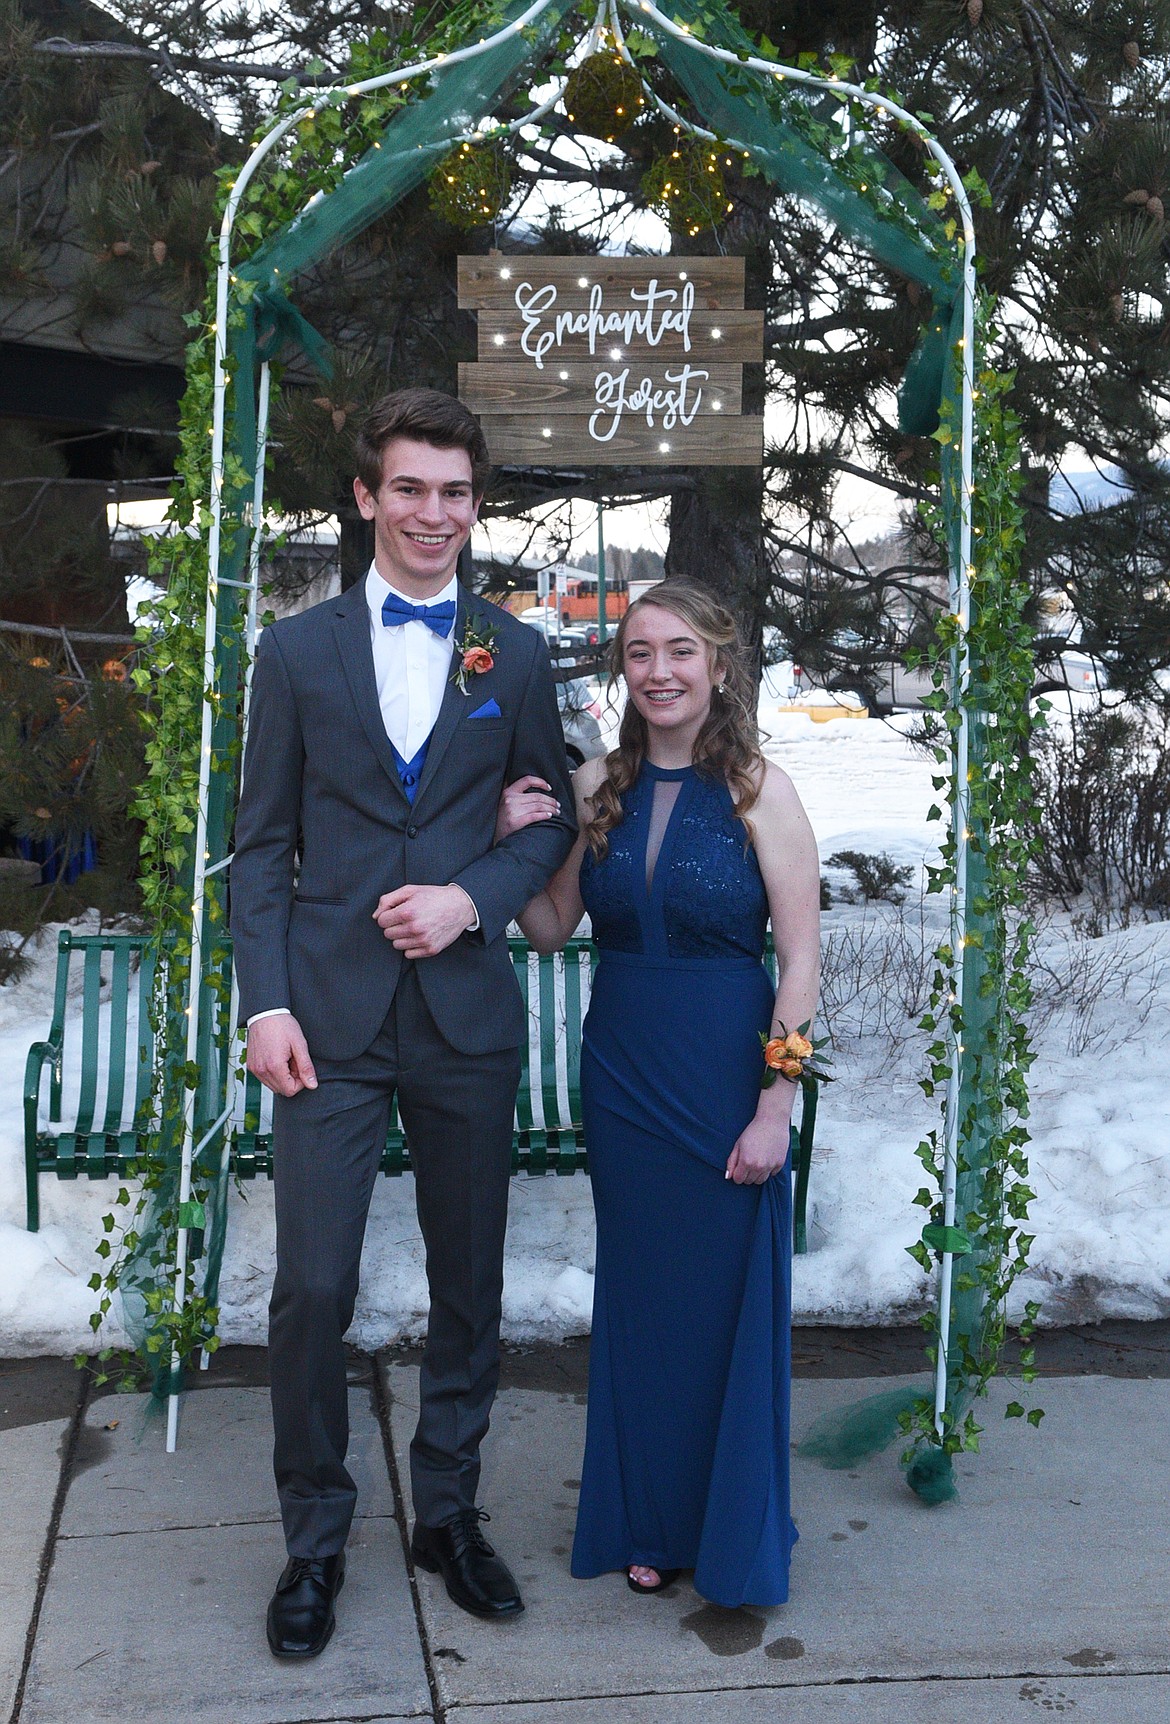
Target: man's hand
(278,1055)
(423,921)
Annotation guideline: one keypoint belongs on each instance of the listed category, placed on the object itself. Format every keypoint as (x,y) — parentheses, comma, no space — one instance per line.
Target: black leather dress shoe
(475,1577)
(300,1617)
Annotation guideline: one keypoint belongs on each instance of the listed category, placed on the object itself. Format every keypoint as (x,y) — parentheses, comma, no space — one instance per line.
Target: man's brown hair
(428,416)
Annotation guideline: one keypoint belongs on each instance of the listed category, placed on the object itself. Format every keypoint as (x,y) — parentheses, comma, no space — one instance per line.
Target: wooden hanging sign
(612,361)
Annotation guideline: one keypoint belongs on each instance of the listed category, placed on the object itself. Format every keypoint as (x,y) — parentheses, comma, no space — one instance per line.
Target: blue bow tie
(439,618)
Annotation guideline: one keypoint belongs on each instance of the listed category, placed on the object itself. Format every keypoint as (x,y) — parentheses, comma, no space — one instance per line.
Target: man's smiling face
(422,512)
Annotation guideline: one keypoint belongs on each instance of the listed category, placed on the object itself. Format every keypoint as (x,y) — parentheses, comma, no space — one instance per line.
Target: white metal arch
(606,14)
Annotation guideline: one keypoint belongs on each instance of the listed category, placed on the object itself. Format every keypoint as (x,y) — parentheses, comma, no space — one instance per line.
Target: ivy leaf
(976,185)
(641,46)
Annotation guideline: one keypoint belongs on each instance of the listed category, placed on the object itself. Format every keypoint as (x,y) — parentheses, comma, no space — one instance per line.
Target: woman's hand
(524,803)
(760,1151)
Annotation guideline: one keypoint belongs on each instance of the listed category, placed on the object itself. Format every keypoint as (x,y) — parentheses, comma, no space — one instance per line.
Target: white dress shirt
(411,667)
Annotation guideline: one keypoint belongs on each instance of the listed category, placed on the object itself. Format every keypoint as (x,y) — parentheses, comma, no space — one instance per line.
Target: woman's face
(668,668)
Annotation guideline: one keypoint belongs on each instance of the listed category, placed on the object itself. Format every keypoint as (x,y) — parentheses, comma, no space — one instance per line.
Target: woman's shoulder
(777,807)
(775,790)
(778,816)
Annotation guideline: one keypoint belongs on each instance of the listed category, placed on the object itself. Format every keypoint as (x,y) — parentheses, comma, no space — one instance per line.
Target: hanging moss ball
(471,185)
(603,96)
(687,186)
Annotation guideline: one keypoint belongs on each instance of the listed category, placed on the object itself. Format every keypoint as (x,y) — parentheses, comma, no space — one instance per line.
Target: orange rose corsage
(792,1055)
(474,655)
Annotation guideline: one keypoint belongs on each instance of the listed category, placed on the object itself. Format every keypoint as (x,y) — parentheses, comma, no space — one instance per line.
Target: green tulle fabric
(805,145)
(847,1436)
(841,1438)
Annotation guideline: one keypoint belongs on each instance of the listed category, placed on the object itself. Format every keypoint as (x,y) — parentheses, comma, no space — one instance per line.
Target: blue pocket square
(489,709)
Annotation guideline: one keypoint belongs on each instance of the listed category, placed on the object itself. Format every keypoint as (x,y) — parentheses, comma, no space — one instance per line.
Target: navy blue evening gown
(686,1454)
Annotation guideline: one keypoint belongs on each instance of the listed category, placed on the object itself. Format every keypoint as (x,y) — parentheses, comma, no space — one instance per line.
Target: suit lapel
(351,623)
(455,704)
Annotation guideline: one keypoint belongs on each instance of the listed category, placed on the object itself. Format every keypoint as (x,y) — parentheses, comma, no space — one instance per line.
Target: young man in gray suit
(384,725)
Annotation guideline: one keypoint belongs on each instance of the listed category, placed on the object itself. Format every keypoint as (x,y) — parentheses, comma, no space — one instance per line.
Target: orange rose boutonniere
(474,655)
(791,1055)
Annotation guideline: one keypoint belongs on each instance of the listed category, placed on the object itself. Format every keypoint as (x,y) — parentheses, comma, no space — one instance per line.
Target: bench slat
(90,1020)
(524,1118)
(142,1082)
(567,1159)
(119,1014)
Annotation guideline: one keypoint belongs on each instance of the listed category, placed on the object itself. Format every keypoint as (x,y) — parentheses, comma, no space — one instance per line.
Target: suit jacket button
(412,831)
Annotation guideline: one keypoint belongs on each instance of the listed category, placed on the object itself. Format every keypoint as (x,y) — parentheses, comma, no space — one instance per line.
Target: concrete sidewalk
(133,1584)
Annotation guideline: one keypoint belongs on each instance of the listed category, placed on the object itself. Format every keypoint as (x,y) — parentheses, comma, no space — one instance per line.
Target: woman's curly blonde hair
(728,745)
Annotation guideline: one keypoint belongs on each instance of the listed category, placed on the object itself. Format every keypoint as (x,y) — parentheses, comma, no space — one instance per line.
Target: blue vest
(410,771)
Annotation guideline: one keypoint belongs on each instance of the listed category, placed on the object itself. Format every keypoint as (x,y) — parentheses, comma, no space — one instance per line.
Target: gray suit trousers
(457,1111)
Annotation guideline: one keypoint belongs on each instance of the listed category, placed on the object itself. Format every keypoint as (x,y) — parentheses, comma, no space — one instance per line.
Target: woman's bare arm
(554,915)
(787,853)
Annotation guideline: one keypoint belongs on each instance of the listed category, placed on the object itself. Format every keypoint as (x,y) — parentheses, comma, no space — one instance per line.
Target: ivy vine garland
(1004,830)
(138,1240)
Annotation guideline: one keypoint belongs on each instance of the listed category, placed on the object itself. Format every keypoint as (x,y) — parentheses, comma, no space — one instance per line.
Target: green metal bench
(94,1134)
(100,1138)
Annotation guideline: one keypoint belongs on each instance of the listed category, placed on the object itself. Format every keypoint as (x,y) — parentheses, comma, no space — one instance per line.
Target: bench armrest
(34,1065)
(33,1068)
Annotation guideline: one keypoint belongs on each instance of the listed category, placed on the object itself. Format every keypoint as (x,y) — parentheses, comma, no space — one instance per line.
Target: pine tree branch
(66,634)
(242,69)
(900,487)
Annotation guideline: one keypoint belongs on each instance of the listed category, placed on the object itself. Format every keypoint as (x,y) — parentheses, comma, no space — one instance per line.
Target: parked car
(577,697)
(892,688)
(580,721)
(1073,670)
(580,632)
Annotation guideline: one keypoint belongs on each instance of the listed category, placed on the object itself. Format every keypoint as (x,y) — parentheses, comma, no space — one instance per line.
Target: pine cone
(1156,209)
(974,10)
(1116,306)
(158,251)
(121,248)
(1140,196)
(337,414)
(1131,54)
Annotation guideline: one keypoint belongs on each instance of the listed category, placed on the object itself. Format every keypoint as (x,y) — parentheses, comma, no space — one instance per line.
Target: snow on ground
(1101,1168)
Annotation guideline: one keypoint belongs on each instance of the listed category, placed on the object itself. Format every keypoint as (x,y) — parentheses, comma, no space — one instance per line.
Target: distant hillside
(1078,492)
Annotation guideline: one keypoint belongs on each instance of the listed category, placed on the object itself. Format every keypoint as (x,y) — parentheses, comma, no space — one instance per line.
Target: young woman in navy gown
(690,842)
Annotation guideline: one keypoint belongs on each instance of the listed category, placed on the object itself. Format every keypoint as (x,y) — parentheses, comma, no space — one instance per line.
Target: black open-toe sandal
(666,1577)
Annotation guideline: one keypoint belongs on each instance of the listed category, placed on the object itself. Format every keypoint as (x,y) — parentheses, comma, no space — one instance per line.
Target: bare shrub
(875,975)
(1103,807)
(1099,995)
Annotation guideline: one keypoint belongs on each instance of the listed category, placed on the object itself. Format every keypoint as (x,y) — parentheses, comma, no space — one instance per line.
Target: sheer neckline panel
(665,795)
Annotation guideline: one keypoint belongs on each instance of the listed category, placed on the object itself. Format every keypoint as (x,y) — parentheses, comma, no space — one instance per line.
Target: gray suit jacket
(320,781)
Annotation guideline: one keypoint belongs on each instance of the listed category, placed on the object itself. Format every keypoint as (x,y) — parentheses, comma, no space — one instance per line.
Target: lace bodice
(699,896)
